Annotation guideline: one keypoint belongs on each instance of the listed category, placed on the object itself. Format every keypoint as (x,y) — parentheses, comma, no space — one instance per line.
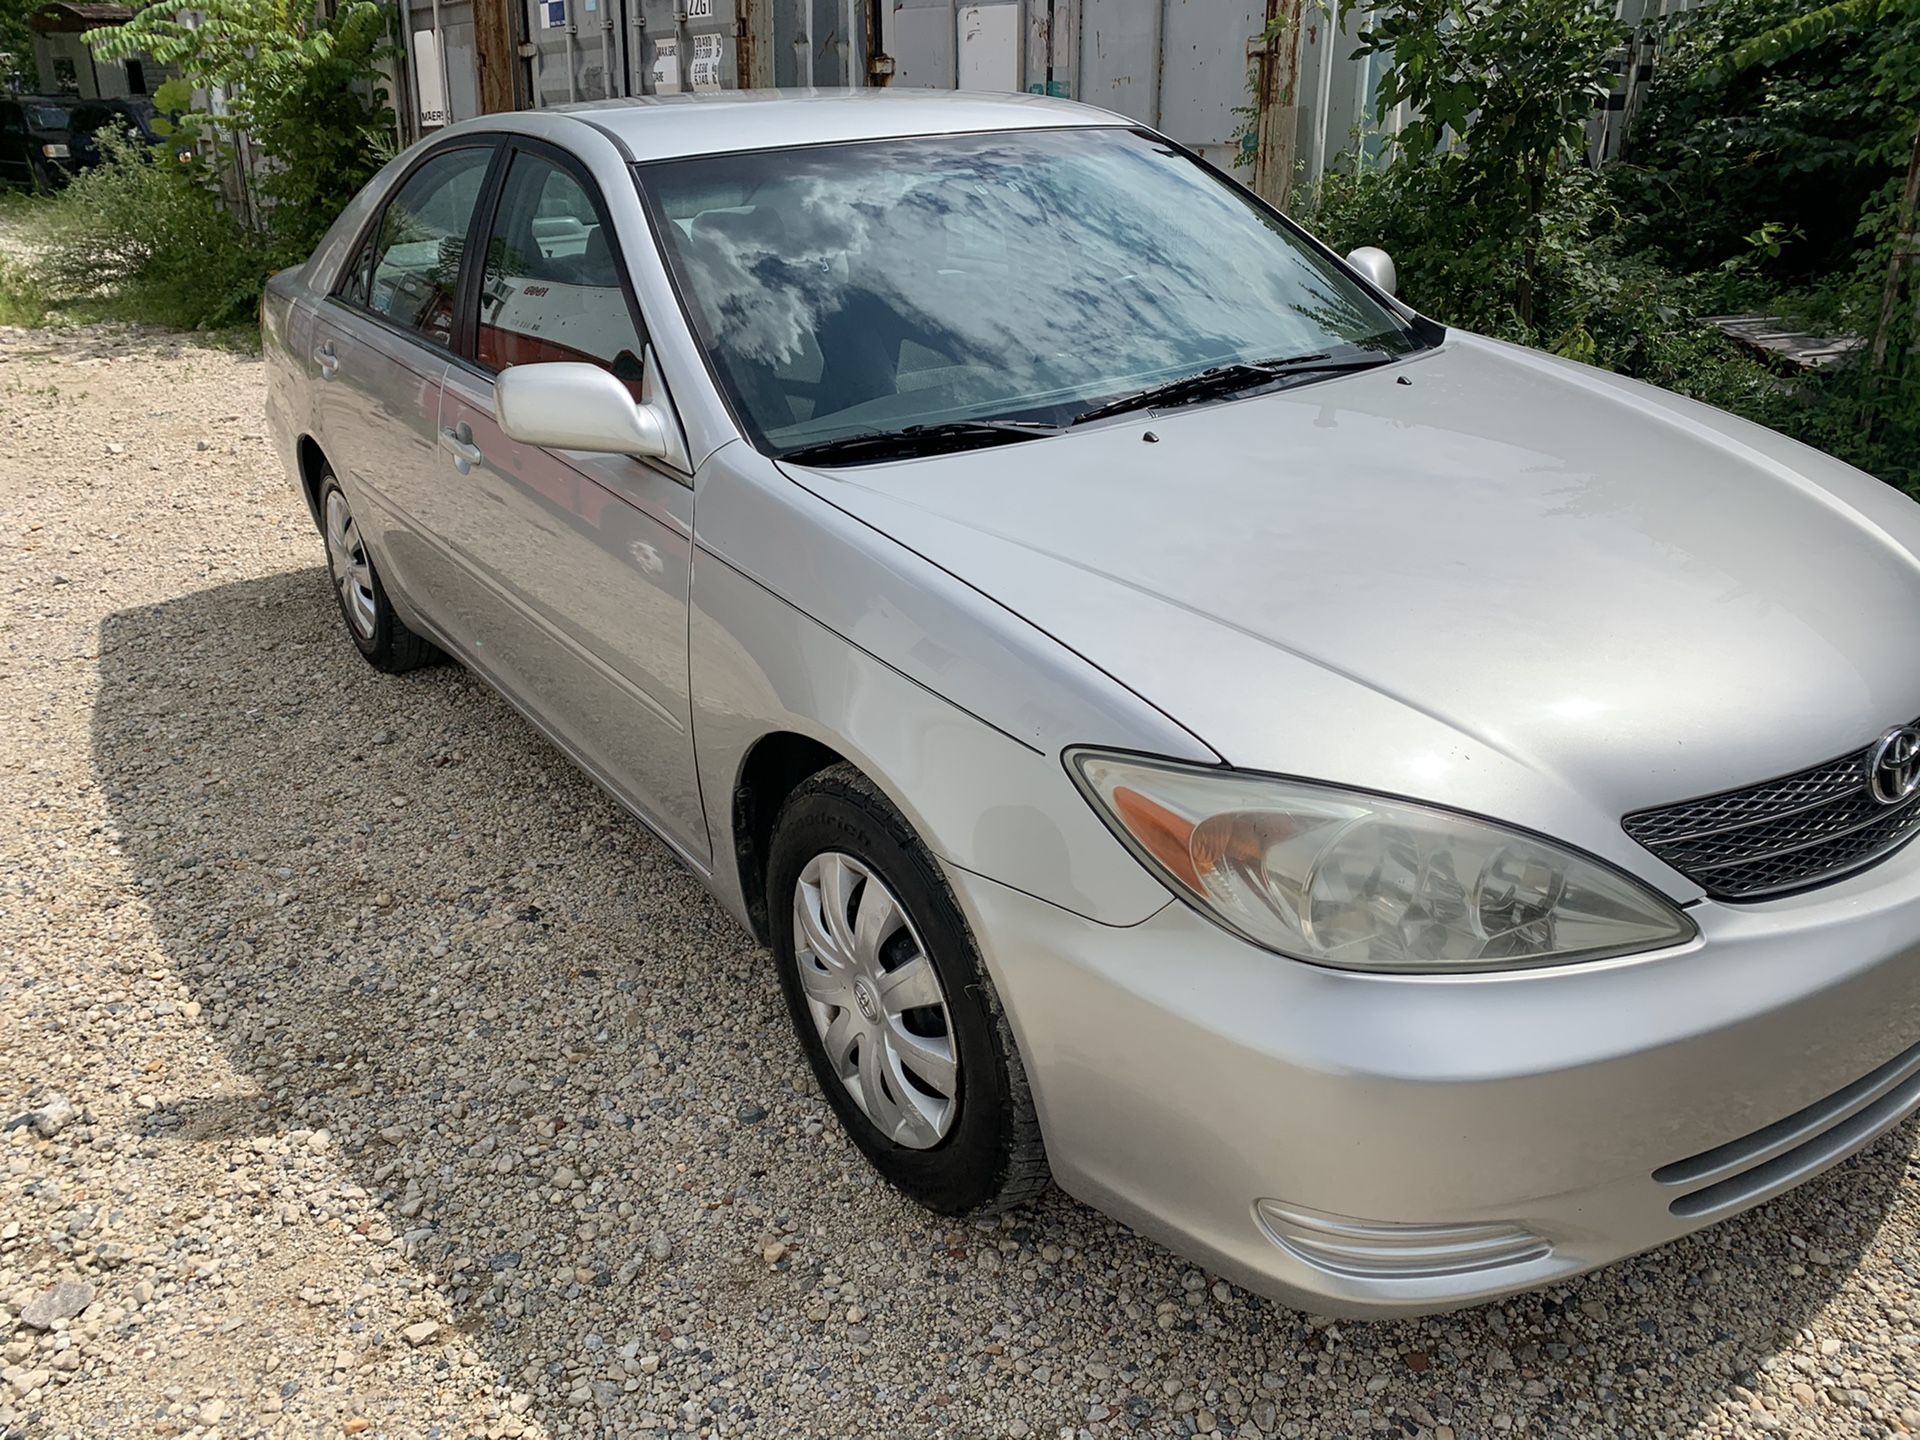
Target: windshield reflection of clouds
(852,287)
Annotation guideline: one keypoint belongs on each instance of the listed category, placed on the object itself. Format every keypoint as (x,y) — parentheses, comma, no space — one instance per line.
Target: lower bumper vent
(1748,1170)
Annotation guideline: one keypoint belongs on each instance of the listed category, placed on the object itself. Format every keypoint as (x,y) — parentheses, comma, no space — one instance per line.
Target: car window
(46,117)
(552,289)
(416,253)
(89,118)
(1016,275)
(356,281)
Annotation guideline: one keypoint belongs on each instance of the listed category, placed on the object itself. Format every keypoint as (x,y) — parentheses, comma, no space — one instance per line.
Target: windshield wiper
(1225,379)
(921,440)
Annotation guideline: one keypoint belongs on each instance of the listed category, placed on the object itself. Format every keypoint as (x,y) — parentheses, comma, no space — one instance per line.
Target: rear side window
(415,261)
(552,288)
(357,280)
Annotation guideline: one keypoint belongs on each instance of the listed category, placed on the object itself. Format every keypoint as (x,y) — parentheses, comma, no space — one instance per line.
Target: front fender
(805,620)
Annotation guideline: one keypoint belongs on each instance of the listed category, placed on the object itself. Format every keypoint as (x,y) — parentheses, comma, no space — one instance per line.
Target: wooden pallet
(1776,341)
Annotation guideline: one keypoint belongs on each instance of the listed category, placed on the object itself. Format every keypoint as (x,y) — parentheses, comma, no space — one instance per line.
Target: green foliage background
(192,244)
(1771,181)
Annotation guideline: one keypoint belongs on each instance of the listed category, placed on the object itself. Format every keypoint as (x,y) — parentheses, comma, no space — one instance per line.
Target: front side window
(1018,275)
(552,289)
(416,252)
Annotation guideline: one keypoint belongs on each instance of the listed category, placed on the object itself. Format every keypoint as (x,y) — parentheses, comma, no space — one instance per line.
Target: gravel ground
(376,1076)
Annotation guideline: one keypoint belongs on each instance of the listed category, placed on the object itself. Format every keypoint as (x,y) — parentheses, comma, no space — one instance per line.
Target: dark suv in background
(45,139)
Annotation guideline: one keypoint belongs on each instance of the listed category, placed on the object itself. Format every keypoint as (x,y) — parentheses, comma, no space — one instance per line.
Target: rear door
(381,345)
(583,559)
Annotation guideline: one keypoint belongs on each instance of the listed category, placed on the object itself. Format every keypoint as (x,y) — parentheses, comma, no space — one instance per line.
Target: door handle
(326,360)
(457,441)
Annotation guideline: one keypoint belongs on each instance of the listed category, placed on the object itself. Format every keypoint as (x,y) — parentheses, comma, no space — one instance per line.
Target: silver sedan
(1400,817)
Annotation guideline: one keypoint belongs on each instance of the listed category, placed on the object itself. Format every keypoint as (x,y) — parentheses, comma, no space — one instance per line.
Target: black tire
(381,636)
(991,1156)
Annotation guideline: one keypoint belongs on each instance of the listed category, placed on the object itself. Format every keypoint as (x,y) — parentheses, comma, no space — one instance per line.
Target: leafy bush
(147,239)
(1774,145)
(1594,300)
(142,237)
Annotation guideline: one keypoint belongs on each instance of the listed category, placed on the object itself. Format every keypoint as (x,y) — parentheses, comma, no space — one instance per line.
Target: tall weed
(144,238)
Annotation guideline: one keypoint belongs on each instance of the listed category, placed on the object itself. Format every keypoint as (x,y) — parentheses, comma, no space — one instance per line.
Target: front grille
(1786,834)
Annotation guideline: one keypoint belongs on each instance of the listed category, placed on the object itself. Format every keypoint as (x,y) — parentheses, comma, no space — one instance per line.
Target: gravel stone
(53,1116)
(56,1303)
(219,932)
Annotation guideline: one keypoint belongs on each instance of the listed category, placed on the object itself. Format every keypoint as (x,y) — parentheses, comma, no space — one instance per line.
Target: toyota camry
(1400,817)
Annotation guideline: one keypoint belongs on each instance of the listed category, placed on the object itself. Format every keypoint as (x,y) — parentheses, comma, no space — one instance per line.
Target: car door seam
(1005,608)
(702,549)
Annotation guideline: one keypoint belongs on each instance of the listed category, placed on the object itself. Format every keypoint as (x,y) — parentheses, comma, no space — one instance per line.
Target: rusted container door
(820,43)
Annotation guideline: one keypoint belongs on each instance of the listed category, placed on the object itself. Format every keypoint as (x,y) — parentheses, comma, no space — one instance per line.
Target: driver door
(583,560)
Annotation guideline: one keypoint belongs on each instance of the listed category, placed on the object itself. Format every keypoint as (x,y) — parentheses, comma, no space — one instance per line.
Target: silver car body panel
(1481,578)
(957,707)
(1187,1075)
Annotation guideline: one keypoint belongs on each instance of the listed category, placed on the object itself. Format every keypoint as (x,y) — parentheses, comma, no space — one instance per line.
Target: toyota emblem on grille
(1893,765)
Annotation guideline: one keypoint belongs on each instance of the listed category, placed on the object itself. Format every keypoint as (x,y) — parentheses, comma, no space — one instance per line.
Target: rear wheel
(892,1005)
(380,635)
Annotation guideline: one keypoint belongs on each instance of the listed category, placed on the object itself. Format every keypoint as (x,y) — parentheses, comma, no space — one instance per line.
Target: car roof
(658,127)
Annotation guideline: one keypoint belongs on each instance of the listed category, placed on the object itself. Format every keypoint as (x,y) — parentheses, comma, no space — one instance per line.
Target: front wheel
(892,1005)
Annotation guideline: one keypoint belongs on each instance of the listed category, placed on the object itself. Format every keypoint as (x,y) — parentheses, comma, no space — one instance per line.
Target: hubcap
(347,560)
(876,1001)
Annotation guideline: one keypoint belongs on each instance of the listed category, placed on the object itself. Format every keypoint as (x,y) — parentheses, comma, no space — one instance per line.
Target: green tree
(1500,93)
(1720,150)
(303,86)
(16,39)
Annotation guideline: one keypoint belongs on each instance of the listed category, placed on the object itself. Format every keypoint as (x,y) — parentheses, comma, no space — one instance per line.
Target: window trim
(491,141)
(468,326)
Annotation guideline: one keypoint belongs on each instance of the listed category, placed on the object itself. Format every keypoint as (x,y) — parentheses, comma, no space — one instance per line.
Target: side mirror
(567,405)
(1374,263)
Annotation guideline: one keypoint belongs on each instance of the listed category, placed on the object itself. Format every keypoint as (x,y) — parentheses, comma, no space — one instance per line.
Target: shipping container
(1198,69)
(1270,89)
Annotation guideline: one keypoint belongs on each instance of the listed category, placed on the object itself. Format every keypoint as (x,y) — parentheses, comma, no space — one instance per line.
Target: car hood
(1477,573)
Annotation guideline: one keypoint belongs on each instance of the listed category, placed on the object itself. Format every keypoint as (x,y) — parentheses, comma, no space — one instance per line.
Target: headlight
(1367,883)
(55,152)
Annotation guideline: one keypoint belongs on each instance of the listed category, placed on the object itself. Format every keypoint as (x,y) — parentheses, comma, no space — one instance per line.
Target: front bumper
(1422,1143)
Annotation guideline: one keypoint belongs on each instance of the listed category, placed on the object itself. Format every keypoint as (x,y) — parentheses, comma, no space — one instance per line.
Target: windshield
(1018,275)
(46,117)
